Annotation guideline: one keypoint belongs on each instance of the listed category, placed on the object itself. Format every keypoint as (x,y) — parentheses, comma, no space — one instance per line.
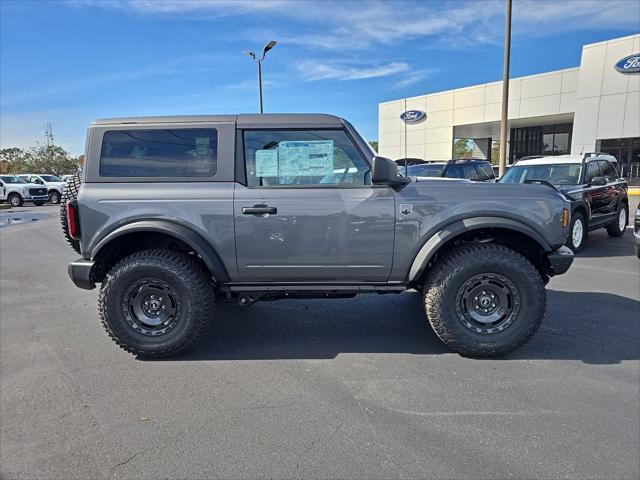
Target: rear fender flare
(180,232)
(437,240)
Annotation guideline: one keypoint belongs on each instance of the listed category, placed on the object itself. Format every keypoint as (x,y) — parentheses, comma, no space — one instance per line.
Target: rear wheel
(577,232)
(619,225)
(484,300)
(15,200)
(156,303)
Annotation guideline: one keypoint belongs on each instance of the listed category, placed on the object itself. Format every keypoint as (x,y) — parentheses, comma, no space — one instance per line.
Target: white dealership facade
(592,107)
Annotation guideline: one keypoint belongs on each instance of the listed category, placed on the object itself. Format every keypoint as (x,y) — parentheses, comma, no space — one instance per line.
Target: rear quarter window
(180,152)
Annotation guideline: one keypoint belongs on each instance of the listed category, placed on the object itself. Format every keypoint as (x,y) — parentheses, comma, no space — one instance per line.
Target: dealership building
(592,107)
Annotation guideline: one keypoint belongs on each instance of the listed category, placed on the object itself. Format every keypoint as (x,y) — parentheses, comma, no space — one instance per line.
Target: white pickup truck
(54,184)
(16,191)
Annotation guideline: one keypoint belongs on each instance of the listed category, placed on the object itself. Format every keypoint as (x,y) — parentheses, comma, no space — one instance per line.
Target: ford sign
(630,64)
(413,116)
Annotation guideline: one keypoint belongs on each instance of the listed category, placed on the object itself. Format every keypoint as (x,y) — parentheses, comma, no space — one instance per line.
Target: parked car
(178,213)
(496,170)
(15,191)
(54,184)
(636,231)
(471,169)
(65,178)
(592,182)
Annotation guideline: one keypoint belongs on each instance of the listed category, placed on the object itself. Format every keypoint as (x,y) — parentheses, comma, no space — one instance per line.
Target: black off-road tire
(577,246)
(613,229)
(194,292)
(15,200)
(451,276)
(54,197)
(70,193)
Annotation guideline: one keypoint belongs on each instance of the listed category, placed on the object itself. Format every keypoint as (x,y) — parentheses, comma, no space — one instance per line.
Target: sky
(69,62)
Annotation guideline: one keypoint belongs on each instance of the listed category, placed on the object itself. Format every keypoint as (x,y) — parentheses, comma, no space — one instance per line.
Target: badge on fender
(406,209)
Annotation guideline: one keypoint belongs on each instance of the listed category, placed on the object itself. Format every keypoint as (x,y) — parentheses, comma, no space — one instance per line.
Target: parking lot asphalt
(357,388)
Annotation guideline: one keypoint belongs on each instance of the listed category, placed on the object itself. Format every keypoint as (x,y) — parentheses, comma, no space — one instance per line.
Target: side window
(180,152)
(608,170)
(592,171)
(454,171)
(470,172)
(280,158)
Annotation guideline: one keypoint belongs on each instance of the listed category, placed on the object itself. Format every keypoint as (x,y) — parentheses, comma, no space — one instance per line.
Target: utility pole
(267,47)
(502,162)
(48,134)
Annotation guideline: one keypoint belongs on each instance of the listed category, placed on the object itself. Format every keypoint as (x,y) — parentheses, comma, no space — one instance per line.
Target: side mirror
(385,172)
(599,181)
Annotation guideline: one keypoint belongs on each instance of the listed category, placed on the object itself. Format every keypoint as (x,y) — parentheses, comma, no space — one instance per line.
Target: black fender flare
(584,205)
(433,244)
(180,232)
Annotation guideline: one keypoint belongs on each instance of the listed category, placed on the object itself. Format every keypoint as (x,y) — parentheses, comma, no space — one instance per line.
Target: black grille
(37,191)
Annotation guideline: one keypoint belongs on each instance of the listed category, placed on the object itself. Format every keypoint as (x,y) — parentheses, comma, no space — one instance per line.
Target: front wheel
(484,300)
(54,197)
(577,232)
(15,200)
(156,303)
(619,225)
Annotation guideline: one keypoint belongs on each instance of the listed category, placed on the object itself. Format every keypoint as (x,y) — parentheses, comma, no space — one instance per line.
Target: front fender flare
(433,244)
(180,232)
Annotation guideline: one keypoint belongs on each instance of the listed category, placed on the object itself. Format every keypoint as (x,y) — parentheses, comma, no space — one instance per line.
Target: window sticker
(266,163)
(305,158)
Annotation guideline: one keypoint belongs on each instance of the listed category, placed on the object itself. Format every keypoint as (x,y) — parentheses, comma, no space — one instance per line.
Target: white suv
(54,185)
(16,191)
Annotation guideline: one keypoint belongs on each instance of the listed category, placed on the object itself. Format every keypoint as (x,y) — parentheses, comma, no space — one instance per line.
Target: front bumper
(560,260)
(36,198)
(80,273)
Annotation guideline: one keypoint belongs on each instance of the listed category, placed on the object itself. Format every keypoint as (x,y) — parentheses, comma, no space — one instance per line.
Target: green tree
(50,159)
(374,144)
(462,148)
(495,152)
(13,160)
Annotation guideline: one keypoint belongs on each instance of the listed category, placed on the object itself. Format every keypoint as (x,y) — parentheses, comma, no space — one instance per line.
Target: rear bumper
(80,273)
(560,260)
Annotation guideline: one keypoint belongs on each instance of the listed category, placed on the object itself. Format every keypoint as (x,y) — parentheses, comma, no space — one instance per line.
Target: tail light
(73,220)
(565,218)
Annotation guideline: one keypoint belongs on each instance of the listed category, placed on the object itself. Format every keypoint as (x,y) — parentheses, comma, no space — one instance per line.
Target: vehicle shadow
(598,328)
(600,244)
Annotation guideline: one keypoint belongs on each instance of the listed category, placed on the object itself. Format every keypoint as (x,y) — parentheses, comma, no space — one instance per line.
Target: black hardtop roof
(242,120)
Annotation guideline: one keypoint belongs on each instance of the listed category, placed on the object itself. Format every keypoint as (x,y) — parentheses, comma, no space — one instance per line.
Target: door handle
(259,210)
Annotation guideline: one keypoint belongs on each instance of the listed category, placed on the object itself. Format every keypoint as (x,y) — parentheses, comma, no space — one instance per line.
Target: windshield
(50,178)
(426,170)
(11,179)
(556,174)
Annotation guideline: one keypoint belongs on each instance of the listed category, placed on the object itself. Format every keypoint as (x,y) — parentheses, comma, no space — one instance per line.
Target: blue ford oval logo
(630,64)
(413,116)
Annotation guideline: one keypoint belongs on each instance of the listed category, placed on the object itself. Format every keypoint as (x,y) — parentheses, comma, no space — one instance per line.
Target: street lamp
(267,47)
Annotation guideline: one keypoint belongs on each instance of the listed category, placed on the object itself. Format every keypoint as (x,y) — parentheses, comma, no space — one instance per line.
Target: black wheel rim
(488,303)
(151,307)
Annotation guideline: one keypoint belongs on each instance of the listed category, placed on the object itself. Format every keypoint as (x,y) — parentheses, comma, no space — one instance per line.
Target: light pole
(267,47)
(502,163)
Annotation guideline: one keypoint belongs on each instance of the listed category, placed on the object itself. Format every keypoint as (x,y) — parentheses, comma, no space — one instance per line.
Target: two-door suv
(176,214)
(591,181)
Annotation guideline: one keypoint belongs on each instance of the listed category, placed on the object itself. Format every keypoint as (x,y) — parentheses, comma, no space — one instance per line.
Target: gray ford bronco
(176,214)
